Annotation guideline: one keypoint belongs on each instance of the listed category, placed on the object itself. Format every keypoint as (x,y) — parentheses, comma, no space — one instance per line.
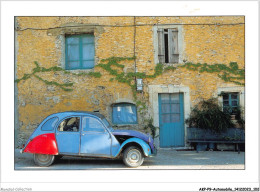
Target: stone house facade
(130,69)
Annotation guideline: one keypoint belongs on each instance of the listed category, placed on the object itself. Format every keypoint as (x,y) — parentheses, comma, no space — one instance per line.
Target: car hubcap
(43,158)
(133,156)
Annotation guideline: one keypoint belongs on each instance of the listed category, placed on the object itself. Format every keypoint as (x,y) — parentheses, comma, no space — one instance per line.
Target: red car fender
(43,144)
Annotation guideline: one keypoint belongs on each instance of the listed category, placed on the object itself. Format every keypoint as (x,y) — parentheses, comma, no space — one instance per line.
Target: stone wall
(204,39)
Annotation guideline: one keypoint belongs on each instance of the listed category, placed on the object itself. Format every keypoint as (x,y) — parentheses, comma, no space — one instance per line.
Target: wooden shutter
(161,51)
(173,46)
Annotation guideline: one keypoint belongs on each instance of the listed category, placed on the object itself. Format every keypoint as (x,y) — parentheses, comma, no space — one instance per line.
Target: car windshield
(106,122)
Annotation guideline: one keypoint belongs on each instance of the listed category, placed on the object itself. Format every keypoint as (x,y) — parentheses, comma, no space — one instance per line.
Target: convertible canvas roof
(84,112)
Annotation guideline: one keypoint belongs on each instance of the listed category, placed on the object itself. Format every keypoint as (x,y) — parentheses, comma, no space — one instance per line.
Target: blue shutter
(88,51)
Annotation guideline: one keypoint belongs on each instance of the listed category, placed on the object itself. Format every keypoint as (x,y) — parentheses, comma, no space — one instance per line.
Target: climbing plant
(129,77)
(149,125)
(228,73)
(112,65)
(63,86)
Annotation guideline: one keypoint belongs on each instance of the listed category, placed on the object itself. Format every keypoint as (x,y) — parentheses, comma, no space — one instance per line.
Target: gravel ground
(165,159)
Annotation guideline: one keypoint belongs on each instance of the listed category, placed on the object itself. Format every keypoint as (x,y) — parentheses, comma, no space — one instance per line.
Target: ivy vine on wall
(230,73)
(112,65)
(63,86)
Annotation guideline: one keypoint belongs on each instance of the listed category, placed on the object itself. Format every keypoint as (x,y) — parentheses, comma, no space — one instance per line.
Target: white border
(175,180)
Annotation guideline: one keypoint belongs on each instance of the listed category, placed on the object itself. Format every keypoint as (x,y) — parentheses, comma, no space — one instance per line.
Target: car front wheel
(133,157)
(43,160)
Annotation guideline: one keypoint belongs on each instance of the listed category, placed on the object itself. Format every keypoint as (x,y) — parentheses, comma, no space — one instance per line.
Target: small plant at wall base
(150,126)
(208,115)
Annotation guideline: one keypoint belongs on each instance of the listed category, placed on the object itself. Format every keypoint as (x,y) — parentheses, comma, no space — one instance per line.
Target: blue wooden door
(171,120)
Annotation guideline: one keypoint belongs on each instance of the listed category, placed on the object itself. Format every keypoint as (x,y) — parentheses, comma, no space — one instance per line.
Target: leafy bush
(208,115)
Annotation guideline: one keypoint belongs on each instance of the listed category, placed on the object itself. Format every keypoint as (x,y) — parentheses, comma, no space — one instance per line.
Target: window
(124,113)
(49,125)
(92,124)
(170,107)
(70,124)
(230,102)
(168,51)
(80,51)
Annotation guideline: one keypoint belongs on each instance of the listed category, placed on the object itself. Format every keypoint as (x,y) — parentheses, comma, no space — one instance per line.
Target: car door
(68,135)
(95,139)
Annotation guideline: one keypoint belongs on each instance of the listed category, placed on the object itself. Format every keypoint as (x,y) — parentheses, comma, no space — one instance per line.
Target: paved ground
(165,159)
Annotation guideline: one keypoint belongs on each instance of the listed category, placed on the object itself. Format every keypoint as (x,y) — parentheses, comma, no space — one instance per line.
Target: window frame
(156,41)
(168,45)
(229,94)
(80,44)
(101,122)
(124,104)
(53,127)
(69,117)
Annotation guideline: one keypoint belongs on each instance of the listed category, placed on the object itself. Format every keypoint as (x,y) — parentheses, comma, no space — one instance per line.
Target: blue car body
(92,136)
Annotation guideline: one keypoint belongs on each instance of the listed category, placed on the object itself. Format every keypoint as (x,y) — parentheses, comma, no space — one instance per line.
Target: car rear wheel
(43,160)
(133,157)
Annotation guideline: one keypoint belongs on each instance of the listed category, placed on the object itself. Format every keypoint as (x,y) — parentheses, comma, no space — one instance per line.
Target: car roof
(79,113)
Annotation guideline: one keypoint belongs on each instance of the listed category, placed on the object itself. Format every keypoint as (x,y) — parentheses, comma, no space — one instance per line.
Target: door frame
(154,91)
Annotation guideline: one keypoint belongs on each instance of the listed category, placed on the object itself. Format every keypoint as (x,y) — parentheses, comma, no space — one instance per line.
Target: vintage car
(86,134)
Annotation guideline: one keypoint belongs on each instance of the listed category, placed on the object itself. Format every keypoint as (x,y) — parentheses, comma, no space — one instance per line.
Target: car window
(49,124)
(92,124)
(105,121)
(70,124)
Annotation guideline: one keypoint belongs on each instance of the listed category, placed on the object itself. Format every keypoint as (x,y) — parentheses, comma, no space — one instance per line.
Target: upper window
(168,51)
(124,113)
(230,102)
(70,124)
(80,51)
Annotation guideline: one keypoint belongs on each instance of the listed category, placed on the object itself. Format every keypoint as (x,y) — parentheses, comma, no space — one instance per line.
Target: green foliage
(208,115)
(63,86)
(150,126)
(229,73)
(169,68)
(111,65)
(239,118)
